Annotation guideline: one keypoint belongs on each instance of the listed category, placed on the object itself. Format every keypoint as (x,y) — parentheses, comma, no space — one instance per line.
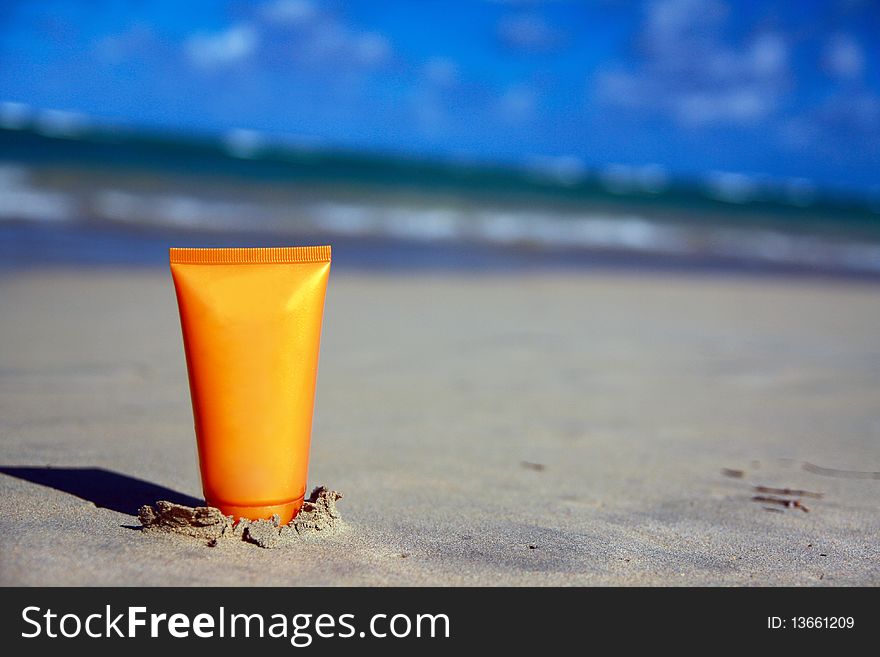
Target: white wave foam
(61,123)
(731,187)
(177,210)
(14,116)
(632,233)
(628,233)
(345,219)
(244,144)
(21,200)
(426,224)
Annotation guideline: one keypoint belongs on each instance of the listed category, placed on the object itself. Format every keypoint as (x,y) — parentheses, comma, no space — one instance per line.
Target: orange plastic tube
(251,321)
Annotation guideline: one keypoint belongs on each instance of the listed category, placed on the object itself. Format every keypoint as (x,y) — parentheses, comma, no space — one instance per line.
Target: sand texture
(205,523)
(570,428)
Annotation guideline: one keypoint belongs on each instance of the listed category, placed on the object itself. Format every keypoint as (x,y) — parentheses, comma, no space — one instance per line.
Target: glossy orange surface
(251,321)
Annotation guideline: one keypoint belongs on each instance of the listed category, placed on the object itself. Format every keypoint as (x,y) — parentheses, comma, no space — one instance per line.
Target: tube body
(251,321)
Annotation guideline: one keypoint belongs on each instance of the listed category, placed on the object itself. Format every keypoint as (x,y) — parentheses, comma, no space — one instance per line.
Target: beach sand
(522,429)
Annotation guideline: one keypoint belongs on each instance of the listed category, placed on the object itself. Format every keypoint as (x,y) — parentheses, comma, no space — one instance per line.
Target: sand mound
(318,514)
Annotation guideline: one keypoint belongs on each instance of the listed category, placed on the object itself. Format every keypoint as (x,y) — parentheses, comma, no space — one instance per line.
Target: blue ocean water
(107,197)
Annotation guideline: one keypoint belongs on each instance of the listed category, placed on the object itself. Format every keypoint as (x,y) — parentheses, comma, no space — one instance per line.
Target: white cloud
(441,71)
(218,49)
(528,32)
(849,116)
(291,12)
(768,55)
(671,24)
(314,37)
(517,105)
(371,48)
(844,58)
(735,105)
(689,71)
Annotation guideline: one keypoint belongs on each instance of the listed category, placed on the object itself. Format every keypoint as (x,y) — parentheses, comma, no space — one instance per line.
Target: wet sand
(608,429)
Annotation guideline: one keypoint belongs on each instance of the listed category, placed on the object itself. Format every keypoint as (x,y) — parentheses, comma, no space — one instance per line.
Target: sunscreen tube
(251,321)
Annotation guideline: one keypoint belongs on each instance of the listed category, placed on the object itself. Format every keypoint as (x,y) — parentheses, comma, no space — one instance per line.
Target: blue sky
(787,90)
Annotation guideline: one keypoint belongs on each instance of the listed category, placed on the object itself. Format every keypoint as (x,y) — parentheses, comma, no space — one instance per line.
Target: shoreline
(30,246)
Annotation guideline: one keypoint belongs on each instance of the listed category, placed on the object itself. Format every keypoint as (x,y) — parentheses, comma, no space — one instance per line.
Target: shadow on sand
(105,488)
